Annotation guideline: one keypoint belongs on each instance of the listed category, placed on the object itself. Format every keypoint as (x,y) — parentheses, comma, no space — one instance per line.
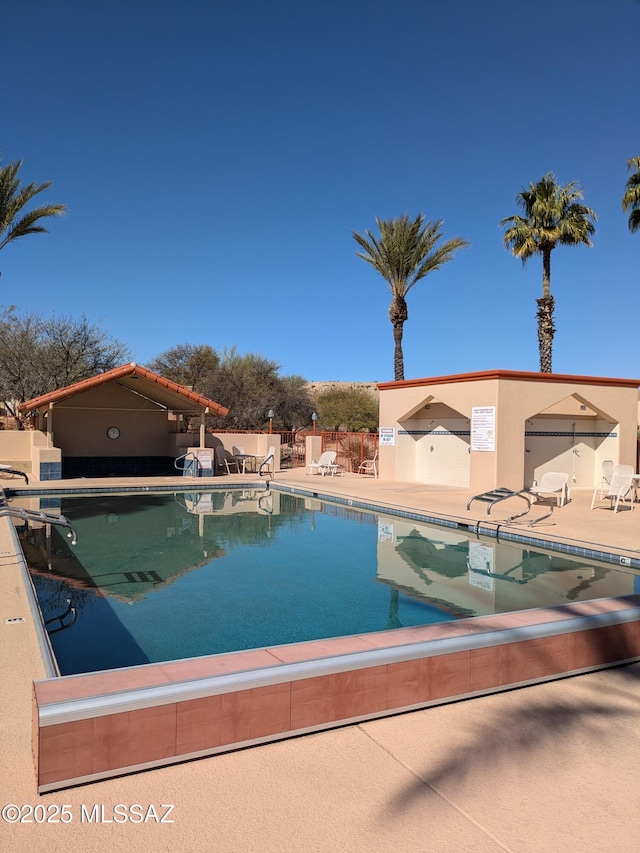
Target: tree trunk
(394,619)
(398,357)
(546,273)
(398,314)
(546,331)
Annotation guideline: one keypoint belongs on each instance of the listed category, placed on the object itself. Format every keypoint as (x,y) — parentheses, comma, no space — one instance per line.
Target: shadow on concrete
(523,735)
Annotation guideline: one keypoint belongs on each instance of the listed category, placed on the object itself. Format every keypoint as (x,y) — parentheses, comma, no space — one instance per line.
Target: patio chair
(325,464)
(7,469)
(237,451)
(621,488)
(607,472)
(369,466)
(224,460)
(552,485)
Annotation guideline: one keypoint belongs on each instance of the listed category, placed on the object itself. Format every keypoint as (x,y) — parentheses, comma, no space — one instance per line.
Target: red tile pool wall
(109,744)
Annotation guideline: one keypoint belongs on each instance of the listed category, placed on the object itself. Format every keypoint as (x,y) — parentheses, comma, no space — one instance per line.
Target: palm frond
(631,197)
(552,214)
(14,223)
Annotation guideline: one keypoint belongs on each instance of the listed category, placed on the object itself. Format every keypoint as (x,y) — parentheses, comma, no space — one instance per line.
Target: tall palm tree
(14,222)
(552,216)
(631,197)
(404,253)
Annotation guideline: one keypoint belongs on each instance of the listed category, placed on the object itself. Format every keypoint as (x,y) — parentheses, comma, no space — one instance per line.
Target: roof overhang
(517,375)
(165,393)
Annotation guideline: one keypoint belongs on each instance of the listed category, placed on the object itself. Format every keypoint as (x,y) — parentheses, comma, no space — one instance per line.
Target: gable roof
(139,380)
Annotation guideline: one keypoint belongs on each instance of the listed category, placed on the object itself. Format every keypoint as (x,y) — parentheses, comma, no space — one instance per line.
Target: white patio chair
(607,472)
(368,466)
(325,464)
(621,488)
(552,485)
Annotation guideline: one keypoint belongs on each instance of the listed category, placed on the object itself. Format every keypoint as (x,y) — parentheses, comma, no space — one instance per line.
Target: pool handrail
(39,515)
(192,469)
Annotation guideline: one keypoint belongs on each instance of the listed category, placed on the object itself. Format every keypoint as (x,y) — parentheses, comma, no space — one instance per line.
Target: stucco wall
(568,424)
(80,424)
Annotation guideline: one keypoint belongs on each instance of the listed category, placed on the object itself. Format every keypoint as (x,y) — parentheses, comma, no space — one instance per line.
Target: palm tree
(14,222)
(631,198)
(552,216)
(405,252)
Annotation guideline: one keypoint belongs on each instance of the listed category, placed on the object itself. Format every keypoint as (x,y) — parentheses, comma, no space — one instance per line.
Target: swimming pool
(161,577)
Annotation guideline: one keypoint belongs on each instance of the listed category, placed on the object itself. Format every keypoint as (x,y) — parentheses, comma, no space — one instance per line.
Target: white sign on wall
(205,458)
(387,436)
(481,565)
(386,531)
(483,428)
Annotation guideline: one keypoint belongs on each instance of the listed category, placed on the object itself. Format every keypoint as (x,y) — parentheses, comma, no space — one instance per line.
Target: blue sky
(215,158)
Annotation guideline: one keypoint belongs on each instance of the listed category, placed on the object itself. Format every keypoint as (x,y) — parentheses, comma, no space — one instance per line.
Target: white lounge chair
(369,466)
(326,464)
(621,488)
(552,485)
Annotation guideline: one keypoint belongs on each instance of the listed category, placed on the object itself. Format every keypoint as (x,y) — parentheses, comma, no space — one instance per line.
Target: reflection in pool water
(167,576)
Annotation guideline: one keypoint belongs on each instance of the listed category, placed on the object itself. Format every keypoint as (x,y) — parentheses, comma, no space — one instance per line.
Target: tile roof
(140,380)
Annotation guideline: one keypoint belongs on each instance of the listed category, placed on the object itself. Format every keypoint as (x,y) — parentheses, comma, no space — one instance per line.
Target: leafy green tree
(631,198)
(293,406)
(15,222)
(351,409)
(552,216)
(40,354)
(248,385)
(404,253)
(194,366)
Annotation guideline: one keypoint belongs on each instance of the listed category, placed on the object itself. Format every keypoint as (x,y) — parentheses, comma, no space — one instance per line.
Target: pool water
(158,577)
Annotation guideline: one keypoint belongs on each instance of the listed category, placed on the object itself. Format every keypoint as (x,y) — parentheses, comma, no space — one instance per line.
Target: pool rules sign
(483,428)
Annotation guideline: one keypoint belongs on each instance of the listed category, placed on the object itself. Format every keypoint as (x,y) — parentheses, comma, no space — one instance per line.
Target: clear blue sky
(216,156)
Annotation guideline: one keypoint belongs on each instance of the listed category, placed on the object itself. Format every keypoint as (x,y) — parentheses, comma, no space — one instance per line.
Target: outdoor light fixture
(314,418)
(270,416)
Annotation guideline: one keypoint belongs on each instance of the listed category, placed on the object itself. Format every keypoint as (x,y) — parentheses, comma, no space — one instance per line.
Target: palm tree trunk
(546,273)
(398,314)
(398,357)
(546,331)
(394,619)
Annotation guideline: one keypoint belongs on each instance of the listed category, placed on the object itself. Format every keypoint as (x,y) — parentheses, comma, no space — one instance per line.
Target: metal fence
(352,448)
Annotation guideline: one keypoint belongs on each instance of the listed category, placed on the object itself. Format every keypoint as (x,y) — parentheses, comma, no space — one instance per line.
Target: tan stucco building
(126,421)
(503,428)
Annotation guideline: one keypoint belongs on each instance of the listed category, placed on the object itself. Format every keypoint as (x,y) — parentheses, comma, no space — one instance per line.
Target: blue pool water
(158,577)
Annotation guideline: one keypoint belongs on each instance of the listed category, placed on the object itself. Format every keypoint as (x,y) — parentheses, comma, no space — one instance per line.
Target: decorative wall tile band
(433,432)
(536,433)
(571,434)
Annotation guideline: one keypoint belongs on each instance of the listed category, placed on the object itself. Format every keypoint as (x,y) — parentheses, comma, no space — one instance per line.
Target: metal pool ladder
(494,496)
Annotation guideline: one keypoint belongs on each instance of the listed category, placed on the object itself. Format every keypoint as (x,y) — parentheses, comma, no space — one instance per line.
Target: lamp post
(270,416)
(314,418)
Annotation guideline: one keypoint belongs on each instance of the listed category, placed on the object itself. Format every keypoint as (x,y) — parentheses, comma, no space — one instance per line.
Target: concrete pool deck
(549,767)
